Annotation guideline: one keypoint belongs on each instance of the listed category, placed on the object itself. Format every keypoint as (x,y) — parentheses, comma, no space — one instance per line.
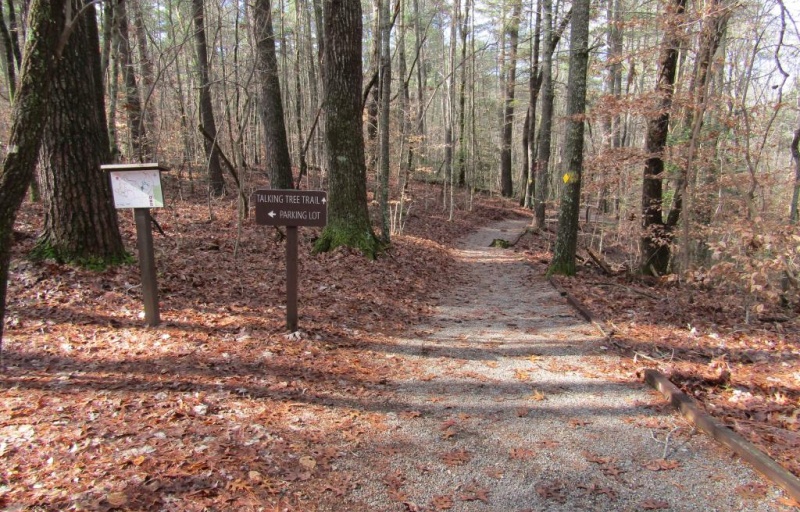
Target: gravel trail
(503,409)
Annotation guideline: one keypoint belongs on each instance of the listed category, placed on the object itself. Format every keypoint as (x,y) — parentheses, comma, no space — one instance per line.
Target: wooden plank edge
(722,434)
(585,314)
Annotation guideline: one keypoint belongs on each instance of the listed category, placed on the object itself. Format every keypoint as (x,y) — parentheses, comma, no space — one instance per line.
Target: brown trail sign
(291,208)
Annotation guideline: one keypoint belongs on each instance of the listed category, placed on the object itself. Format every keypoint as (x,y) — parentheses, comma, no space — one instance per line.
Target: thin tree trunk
(385,95)
(373,101)
(188,152)
(421,80)
(112,80)
(551,38)
(449,104)
(9,64)
(567,239)
(271,105)
(657,235)
(533,91)
(148,80)
(15,32)
(512,33)
(462,98)
(139,148)
(216,181)
(546,126)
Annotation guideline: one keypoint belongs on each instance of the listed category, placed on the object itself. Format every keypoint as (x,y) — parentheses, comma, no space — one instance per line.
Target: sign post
(138,186)
(291,208)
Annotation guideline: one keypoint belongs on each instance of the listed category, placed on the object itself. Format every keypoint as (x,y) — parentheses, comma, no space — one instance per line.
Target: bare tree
(271,104)
(657,234)
(209,126)
(512,33)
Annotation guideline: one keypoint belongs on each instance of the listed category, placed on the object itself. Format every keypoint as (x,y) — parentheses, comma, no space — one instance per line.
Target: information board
(137,189)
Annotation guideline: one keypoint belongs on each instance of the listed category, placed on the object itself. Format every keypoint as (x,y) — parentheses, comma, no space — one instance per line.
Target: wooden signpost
(138,186)
(291,208)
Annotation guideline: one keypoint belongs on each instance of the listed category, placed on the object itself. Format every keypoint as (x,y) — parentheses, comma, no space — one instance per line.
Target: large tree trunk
(271,104)
(567,240)
(216,181)
(80,222)
(657,235)
(45,27)
(512,33)
(348,218)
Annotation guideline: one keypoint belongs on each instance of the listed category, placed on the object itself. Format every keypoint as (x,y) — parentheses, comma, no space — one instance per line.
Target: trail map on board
(137,189)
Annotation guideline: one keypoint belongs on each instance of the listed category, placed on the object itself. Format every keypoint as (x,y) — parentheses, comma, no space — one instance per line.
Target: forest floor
(220,408)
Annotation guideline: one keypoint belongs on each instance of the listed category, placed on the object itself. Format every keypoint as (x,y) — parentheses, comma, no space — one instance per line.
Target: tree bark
(385,95)
(373,100)
(46,21)
(148,80)
(216,181)
(80,222)
(795,148)
(512,33)
(546,127)
(534,85)
(422,80)
(567,239)
(348,218)
(271,105)
(657,235)
(462,99)
(140,150)
(9,63)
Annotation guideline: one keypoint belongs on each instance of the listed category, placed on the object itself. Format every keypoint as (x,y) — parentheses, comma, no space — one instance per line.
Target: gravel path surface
(503,409)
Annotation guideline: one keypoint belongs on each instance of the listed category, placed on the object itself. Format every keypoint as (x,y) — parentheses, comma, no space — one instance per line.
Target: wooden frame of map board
(136,185)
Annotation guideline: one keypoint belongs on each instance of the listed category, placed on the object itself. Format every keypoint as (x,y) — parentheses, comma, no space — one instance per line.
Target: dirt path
(503,409)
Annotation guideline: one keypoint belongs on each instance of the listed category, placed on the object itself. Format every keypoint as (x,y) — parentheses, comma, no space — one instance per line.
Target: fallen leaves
(551,490)
(753,490)
(653,504)
(456,457)
(442,502)
(537,396)
(474,492)
(521,453)
(661,465)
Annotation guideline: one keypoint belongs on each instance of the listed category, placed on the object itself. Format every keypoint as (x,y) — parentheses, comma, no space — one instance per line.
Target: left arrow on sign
(271,214)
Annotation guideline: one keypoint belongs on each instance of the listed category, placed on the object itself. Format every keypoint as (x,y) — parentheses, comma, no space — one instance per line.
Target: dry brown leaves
(217,408)
(747,375)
